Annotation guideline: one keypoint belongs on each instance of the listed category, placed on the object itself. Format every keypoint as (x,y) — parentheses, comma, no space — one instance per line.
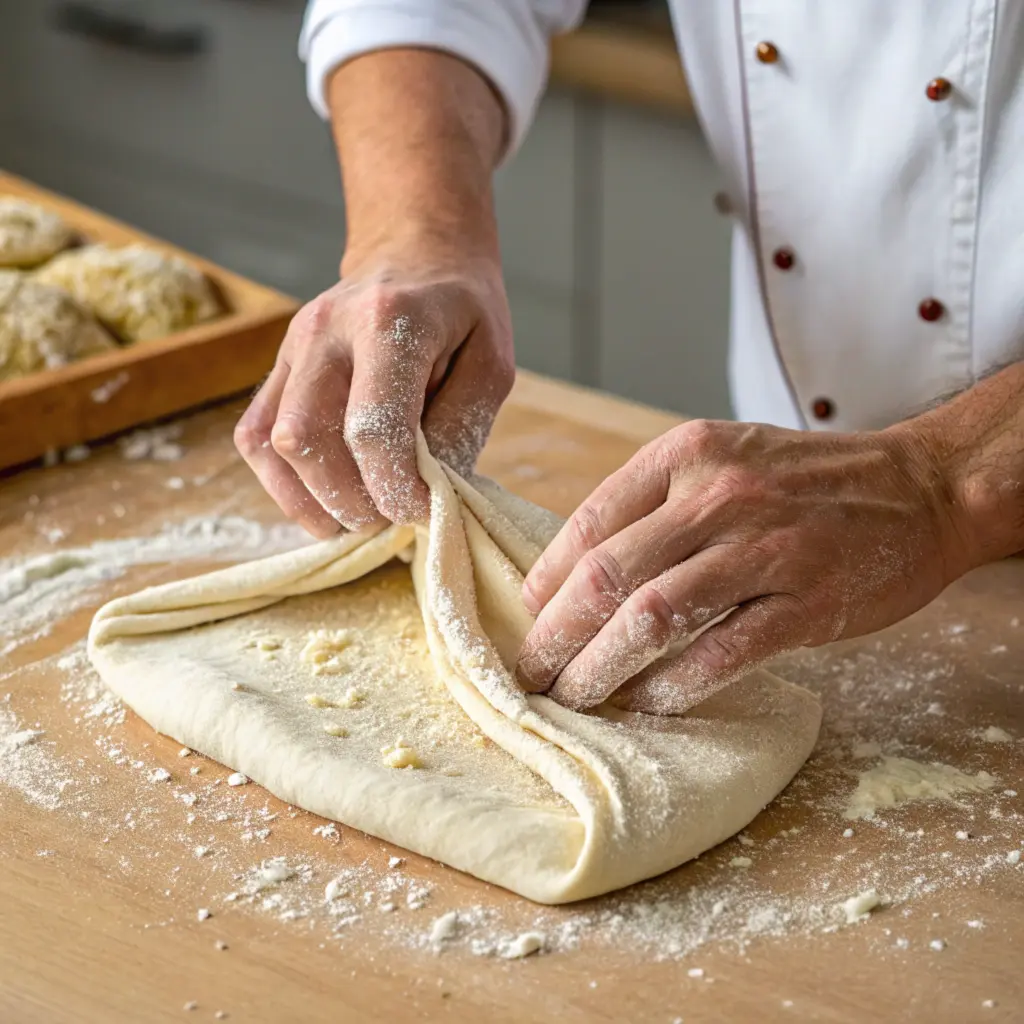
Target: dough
(138,292)
(513,788)
(29,234)
(43,327)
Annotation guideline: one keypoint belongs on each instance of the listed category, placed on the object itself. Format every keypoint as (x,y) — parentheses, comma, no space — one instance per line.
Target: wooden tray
(108,393)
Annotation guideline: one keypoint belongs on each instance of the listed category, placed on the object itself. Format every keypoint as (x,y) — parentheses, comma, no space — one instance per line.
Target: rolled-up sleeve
(507,40)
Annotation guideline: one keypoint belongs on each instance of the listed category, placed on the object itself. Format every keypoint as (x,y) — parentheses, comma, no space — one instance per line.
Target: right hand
(417,335)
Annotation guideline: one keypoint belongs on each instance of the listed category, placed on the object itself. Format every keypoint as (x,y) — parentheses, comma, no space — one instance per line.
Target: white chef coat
(878,251)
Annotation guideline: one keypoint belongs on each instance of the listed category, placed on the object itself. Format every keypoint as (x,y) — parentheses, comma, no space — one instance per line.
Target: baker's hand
(408,337)
(808,537)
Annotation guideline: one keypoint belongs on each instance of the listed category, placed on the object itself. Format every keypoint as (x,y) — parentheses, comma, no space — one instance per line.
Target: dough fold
(629,795)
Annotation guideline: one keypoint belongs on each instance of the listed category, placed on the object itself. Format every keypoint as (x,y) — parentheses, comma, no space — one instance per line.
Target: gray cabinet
(663,286)
(615,260)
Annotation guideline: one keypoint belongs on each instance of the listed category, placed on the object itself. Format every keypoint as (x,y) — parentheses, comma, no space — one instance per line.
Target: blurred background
(189,119)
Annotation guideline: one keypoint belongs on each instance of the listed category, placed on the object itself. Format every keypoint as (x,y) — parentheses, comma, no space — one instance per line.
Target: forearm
(976,444)
(418,134)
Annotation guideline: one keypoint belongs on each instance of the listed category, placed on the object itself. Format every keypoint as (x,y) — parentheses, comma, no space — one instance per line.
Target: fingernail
(533,672)
(564,693)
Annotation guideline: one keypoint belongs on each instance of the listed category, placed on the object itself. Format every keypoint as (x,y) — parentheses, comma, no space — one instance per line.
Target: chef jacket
(873,154)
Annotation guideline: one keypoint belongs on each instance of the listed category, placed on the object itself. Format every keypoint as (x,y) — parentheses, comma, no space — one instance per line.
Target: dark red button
(823,409)
(784,258)
(938,89)
(766,53)
(930,310)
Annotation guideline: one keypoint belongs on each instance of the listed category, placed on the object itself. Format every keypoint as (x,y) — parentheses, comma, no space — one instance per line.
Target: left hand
(807,537)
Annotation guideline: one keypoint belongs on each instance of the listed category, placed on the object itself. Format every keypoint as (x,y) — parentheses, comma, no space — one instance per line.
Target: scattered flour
(993,734)
(38,590)
(900,780)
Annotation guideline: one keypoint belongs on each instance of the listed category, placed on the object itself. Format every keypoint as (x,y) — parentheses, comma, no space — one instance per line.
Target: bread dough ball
(42,327)
(30,234)
(138,292)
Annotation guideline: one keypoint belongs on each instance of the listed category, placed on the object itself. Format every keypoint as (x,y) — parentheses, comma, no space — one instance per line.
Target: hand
(806,538)
(414,334)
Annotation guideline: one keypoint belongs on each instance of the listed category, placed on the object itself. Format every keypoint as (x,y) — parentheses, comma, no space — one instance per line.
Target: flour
(27,766)
(899,780)
(38,590)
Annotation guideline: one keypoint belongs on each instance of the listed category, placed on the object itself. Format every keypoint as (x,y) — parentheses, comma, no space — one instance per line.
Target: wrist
(982,509)
(421,246)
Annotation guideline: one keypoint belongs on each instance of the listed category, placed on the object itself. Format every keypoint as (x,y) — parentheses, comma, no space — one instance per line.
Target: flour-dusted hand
(332,432)
(801,538)
(417,332)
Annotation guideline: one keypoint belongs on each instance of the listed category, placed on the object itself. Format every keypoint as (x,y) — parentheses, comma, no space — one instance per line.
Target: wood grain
(107,932)
(623,64)
(57,408)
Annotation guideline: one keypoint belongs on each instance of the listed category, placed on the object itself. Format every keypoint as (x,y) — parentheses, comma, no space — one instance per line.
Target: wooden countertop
(624,55)
(99,890)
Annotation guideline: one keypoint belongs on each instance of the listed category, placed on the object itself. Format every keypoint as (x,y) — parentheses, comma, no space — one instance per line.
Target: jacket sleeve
(507,40)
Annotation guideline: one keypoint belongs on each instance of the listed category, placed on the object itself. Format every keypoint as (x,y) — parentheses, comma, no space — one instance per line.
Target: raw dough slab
(514,789)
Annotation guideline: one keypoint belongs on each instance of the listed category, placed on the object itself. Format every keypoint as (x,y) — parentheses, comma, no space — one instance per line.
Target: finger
(309,435)
(459,418)
(252,438)
(600,583)
(754,633)
(626,496)
(659,614)
(392,371)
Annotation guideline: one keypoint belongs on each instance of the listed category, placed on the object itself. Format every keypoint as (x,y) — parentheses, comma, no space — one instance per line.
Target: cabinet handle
(95,22)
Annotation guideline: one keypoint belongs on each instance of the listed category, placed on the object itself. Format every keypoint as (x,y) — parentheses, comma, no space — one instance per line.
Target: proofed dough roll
(42,327)
(30,234)
(138,292)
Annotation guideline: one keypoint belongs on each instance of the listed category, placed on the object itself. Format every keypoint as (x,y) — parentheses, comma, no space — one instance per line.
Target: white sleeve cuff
(501,38)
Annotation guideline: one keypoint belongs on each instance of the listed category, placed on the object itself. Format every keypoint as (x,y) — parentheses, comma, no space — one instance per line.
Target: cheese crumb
(937,944)
(323,649)
(858,908)
(351,698)
(740,862)
(696,972)
(1013,857)
(159,775)
(394,862)
(315,700)
(401,755)
(237,779)
(184,752)
(522,945)
(202,914)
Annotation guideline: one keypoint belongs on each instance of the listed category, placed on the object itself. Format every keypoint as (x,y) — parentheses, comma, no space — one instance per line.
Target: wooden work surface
(99,895)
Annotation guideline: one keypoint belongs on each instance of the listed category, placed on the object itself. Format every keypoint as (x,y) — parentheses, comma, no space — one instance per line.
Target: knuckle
(603,573)
(736,485)
(315,318)
(697,437)
(250,438)
(718,651)
(291,437)
(585,532)
(373,425)
(651,617)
